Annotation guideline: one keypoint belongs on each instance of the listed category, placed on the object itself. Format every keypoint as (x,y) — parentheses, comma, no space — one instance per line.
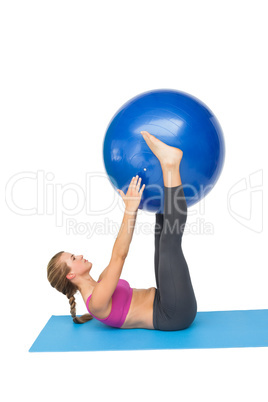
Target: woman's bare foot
(166,154)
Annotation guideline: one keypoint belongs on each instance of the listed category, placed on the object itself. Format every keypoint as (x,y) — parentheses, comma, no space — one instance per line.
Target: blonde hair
(56,275)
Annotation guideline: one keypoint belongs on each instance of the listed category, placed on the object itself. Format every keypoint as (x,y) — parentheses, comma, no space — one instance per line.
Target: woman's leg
(159,220)
(175,304)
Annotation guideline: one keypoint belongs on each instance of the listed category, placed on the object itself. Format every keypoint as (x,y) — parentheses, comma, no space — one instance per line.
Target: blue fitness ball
(178,119)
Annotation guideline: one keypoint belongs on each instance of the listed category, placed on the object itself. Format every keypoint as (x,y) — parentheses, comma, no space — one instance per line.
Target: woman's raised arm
(132,201)
(110,276)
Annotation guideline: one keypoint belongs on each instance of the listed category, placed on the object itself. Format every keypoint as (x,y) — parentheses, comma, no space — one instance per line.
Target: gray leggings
(174,303)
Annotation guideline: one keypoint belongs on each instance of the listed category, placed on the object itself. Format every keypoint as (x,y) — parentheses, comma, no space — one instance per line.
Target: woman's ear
(70,276)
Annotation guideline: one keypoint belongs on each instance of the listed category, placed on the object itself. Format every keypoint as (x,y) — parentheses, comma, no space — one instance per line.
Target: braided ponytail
(56,275)
(78,320)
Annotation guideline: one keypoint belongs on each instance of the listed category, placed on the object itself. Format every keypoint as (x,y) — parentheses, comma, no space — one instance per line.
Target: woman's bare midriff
(140,314)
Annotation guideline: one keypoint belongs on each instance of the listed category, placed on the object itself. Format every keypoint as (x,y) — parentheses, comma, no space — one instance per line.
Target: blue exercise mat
(213,329)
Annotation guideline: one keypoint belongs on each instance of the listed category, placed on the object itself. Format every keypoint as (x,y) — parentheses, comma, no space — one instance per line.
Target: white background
(66,67)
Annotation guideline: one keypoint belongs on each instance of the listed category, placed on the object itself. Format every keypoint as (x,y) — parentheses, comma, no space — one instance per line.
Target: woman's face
(77,263)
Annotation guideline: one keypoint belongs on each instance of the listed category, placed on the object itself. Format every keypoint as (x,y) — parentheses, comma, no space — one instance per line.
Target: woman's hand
(133,196)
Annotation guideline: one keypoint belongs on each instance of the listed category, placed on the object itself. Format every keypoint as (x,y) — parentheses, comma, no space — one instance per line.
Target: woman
(170,306)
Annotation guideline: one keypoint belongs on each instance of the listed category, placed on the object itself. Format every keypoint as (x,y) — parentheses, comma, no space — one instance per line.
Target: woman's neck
(86,287)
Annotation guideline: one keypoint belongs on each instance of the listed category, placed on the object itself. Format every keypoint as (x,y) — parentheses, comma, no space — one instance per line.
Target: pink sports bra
(121,300)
